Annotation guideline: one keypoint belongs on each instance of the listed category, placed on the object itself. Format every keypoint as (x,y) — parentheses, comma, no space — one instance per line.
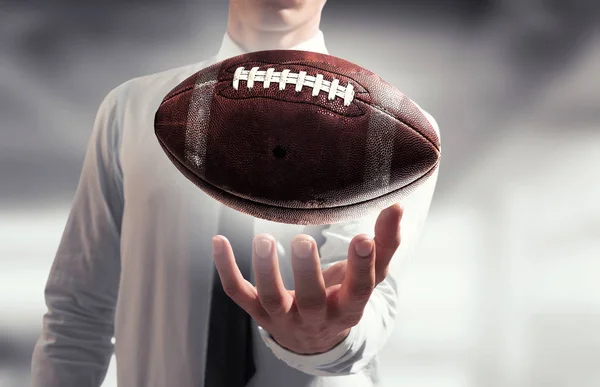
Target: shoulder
(149,89)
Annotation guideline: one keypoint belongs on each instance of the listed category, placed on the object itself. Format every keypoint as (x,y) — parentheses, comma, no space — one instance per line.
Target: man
(134,261)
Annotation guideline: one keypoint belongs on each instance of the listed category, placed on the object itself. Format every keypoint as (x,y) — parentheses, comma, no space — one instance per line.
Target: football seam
(385,111)
(417,180)
(292,208)
(298,102)
(182,91)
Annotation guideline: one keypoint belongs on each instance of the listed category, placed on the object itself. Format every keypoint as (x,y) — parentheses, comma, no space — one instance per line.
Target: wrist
(334,342)
(321,345)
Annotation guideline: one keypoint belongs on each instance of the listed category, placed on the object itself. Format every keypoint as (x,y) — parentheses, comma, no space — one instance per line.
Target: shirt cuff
(317,364)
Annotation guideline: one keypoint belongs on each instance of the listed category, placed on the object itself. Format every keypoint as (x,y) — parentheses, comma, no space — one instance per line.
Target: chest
(166,214)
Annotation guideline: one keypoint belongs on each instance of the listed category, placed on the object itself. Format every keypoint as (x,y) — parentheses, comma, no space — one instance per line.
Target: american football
(297,137)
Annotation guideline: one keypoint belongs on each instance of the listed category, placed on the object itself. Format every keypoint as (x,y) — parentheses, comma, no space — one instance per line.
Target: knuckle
(382,275)
(362,293)
(391,243)
(272,304)
(394,242)
(259,314)
(275,310)
(231,290)
(311,305)
(364,268)
(314,331)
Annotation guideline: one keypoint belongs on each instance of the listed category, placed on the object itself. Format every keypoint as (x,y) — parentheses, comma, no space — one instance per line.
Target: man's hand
(319,313)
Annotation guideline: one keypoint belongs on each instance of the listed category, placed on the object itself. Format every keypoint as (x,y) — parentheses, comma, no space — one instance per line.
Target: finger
(235,286)
(387,239)
(272,294)
(309,284)
(334,275)
(359,281)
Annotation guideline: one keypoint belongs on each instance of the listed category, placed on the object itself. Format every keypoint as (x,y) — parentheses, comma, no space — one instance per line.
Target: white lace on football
(301,79)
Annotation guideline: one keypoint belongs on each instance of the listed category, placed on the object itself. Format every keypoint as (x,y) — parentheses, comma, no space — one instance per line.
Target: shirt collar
(230,49)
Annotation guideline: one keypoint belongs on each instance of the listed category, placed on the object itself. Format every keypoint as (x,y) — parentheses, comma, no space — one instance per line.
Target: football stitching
(300,80)
(380,108)
(365,91)
(359,89)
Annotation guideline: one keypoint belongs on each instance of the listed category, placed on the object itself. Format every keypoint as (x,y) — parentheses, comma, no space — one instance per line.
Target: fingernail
(302,249)
(263,247)
(218,245)
(364,247)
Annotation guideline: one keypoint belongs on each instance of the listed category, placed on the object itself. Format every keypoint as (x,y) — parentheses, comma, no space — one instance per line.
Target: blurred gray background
(504,289)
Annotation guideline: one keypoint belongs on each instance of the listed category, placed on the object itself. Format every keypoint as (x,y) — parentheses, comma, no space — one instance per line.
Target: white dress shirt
(135,261)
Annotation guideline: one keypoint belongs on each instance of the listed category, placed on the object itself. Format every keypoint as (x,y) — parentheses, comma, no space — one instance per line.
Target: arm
(366,338)
(75,346)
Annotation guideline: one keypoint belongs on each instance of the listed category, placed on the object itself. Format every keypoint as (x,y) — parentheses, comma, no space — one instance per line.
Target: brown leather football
(297,137)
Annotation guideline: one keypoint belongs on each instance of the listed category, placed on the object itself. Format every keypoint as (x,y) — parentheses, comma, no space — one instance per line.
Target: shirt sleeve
(75,346)
(360,348)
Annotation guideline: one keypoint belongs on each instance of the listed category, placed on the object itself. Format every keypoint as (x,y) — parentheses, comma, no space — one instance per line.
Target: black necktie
(230,361)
